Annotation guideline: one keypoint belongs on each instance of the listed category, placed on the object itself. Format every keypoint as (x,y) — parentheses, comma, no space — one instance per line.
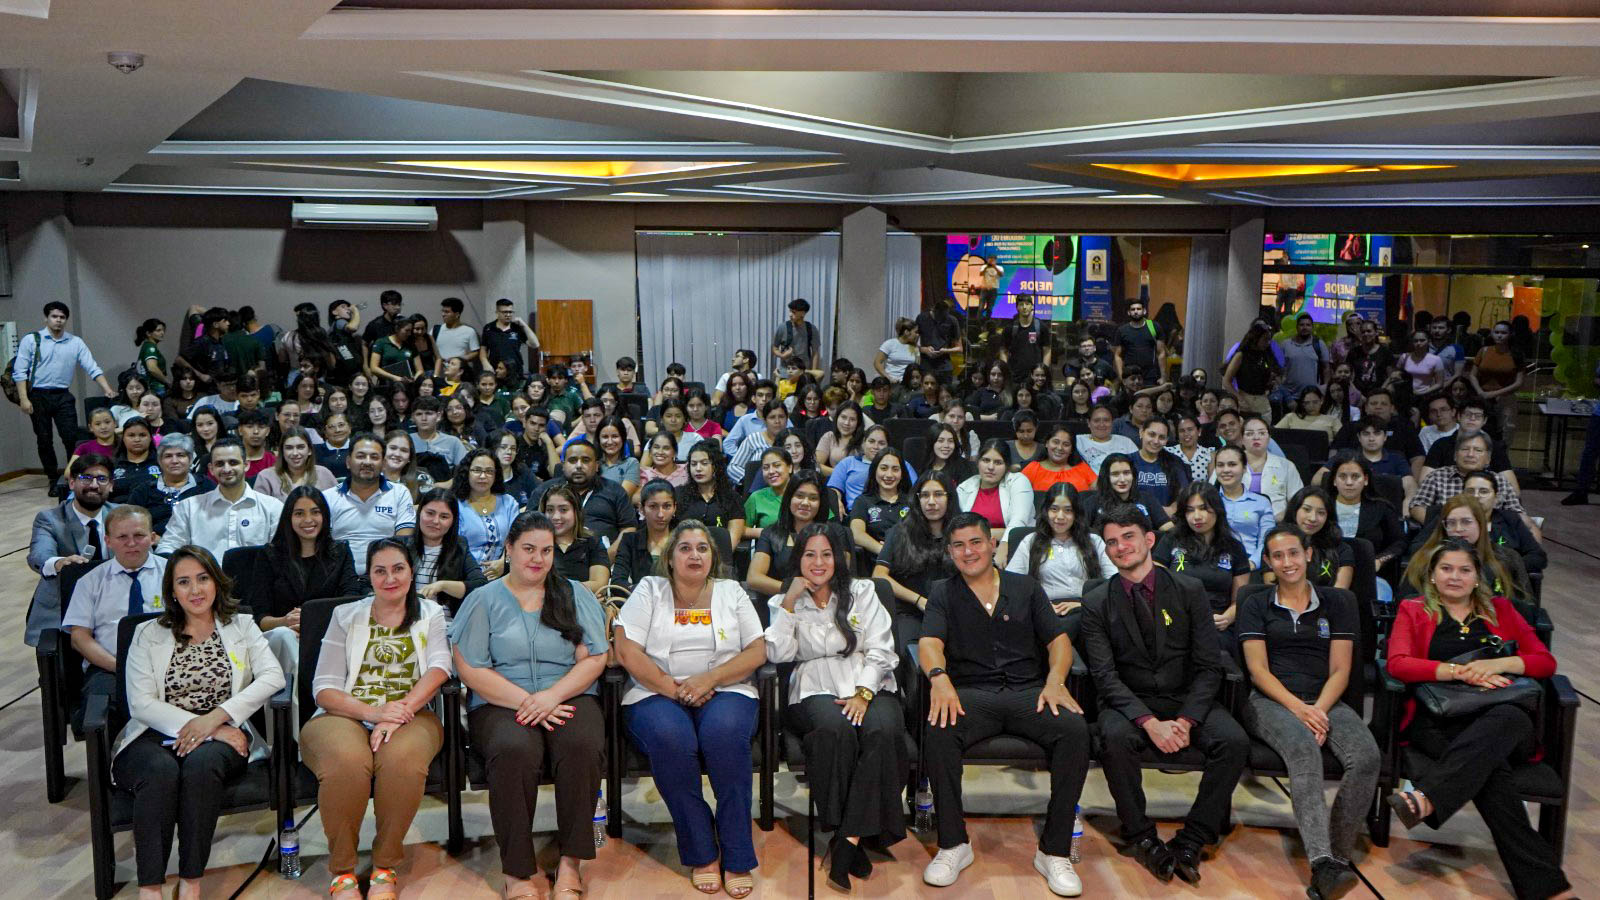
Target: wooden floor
(44,849)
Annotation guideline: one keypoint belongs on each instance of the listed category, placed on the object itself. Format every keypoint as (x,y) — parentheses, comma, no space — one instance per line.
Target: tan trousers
(339,751)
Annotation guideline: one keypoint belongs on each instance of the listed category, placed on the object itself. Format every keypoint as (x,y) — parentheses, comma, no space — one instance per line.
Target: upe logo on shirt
(387,510)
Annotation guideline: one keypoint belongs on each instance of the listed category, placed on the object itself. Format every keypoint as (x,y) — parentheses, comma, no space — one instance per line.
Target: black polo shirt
(1298,646)
(504,345)
(1026,347)
(574,562)
(1003,651)
(879,515)
(718,512)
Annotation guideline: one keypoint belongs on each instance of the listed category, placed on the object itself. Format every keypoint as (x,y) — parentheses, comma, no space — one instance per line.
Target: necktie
(135,594)
(92,548)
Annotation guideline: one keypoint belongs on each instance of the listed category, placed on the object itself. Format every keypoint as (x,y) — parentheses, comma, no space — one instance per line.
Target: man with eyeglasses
(1471,417)
(73,532)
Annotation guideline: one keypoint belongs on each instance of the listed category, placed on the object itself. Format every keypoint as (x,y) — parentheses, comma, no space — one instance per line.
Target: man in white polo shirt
(366,506)
(233,515)
(126,585)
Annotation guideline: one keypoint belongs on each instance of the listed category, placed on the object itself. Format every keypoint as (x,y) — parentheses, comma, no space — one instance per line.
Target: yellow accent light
(1190,172)
(566,168)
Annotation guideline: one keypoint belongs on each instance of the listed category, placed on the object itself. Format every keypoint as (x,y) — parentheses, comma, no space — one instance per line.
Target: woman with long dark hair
(531,647)
(152,364)
(373,736)
(914,555)
(1329,560)
(579,555)
(709,498)
(841,640)
(305,563)
(484,510)
(1062,553)
(181,394)
(308,340)
(294,467)
(998,494)
(1250,514)
(191,673)
(842,440)
(1060,463)
(1118,482)
(1361,513)
(946,454)
(1253,368)
(638,549)
(1202,546)
(884,502)
(761,508)
(446,571)
(135,462)
(805,500)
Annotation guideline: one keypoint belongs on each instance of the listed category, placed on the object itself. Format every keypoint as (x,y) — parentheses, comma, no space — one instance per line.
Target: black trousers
(1472,758)
(514,756)
(1065,738)
(172,791)
(857,773)
(1225,746)
(53,406)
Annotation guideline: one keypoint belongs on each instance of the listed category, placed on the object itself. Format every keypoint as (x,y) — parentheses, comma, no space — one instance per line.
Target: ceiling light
(1192,172)
(566,168)
(637,194)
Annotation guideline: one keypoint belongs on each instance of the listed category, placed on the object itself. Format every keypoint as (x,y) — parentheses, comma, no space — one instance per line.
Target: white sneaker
(1058,873)
(946,865)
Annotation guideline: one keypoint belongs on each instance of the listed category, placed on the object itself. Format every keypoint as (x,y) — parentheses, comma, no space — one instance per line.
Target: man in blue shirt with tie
(46,361)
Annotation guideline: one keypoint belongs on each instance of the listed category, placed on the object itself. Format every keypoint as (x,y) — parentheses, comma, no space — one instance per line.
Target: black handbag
(1452,699)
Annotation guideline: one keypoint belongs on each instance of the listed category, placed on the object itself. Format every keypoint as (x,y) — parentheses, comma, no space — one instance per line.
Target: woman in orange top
(1496,374)
(1061,464)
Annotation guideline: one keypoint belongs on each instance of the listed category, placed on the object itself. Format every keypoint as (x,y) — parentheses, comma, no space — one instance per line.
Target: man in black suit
(1152,648)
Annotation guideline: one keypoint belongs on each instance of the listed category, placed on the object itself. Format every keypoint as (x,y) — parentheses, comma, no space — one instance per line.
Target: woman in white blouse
(690,643)
(195,676)
(842,699)
(1062,554)
(998,494)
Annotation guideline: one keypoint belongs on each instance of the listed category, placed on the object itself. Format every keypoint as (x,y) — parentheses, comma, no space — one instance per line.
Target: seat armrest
(451,687)
(1565,694)
(283,699)
(96,715)
(50,641)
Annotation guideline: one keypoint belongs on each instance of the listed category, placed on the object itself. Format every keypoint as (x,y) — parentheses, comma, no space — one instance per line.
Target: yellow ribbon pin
(1166,617)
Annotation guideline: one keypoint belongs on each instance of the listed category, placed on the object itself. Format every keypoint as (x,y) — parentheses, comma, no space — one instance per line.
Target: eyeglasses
(94,479)
(489,472)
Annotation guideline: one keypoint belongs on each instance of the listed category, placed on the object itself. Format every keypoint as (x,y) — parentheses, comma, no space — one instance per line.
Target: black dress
(287,584)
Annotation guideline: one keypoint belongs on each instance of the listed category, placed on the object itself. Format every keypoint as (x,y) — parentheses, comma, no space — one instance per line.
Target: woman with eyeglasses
(484,509)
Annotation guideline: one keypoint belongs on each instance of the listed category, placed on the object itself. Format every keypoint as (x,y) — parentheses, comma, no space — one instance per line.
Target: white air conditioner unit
(365,217)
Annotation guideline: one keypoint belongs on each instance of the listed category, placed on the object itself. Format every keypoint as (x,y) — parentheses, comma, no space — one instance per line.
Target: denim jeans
(1324,833)
(676,738)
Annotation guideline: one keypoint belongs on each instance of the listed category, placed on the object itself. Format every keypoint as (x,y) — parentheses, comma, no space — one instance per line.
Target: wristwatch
(864,694)
(935,672)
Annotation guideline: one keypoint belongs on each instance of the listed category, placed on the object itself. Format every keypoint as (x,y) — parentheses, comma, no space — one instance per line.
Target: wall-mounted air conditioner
(365,217)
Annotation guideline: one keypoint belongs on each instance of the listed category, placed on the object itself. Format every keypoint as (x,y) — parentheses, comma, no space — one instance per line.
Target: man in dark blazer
(73,532)
(1152,649)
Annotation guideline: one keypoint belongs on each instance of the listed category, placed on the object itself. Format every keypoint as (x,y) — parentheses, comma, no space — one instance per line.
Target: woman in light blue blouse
(1249,514)
(617,462)
(483,508)
(531,647)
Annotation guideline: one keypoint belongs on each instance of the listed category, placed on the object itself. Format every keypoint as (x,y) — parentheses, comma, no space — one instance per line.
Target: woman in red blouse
(1472,755)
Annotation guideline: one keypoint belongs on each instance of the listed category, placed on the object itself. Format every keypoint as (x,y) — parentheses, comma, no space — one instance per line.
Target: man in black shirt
(207,354)
(1370,360)
(607,508)
(939,335)
(1027,341)
(1139,344)
(384,325)
(1152,648)
(1089,358)
(1401,436)
(507,335)
(1008,657)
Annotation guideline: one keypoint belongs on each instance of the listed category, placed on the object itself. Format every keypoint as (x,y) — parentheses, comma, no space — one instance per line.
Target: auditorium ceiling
(1266,102)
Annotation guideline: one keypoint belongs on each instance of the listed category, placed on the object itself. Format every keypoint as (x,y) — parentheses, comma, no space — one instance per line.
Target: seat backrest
(818,427)
(315,616)
(67,579)
(247,568)
(901,429)
(1014,539)
(916,450)
(125,629)
(986,429)
(1302,461)
(1364,585)
(635,406)
(1392,490)
(690,387)
(1315,442)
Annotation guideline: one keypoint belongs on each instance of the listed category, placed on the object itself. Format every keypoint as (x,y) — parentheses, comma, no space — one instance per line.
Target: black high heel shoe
(839,861)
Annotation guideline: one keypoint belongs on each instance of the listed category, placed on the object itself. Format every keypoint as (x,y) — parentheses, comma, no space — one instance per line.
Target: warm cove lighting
(1233,172)
(568,169)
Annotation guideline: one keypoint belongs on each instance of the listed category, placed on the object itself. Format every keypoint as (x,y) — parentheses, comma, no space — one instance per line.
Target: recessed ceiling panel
(1551,131)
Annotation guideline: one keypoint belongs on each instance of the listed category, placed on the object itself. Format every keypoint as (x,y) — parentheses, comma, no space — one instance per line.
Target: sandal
(566,893)
(342,883)
(705,882)
(1406,808)
(531,892)
(386,879)
(739,885)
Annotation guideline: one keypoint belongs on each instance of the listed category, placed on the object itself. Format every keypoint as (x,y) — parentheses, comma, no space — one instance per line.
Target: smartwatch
(935,672)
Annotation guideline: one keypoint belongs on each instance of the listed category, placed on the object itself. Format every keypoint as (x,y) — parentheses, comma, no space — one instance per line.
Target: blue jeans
(676,738)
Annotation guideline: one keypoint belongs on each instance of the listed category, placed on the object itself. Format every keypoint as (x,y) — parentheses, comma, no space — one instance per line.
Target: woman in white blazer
(194,677)
(998,494)
(690,643)
(382,661)
(1280,480)
(842,699)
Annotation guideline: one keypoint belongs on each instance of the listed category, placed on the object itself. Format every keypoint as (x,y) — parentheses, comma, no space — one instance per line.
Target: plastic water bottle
(923,820)
(1077,835)
(600,819)
(289,851)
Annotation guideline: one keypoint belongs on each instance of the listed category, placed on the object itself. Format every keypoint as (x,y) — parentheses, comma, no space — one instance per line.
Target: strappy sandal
(567,893)
(1406,808)
(529,892)
(386,879)
(705,882)
(342,883)
(739,885)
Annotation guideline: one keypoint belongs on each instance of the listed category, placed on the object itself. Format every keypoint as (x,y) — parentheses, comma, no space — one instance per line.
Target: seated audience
(427,438)
(1329,560)
(772,561)
(761,507)
(660,461)
(305,563)
(177,482)
(1118,483)
(1060,464)
(1472,455)
(842,439)
(1202,545)
(1004,498)
(1361,513)
(531,647)
(1249,514)
(295,467)
(883,503)
(639,550)
(73,532)
(253,429)
(1062,554)
(914,557)
(233,514)
(607,508)
(1100,442)
(484,510)
(128,585)
(1267,473)
(947,452)
(446,571)
(579,556)
(367,506)
(709,498)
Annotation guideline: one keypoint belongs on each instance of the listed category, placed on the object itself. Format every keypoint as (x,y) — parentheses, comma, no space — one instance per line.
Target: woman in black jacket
(446,572)
(1356,502)
(302,563)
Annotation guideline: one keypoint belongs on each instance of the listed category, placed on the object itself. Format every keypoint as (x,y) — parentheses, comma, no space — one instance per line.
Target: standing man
(1305,361)
(1440,344)
(505,338)
(46,361)
(1027,341)
(1152,649)
(797,337)
(73,532)
(232,515)
(939,333)
(453,340)
(106,593)
(366,506)
(989,285)
(384,325)
(207,354)
(1139,344)
(1007,656)
(244,349)
(1590,457)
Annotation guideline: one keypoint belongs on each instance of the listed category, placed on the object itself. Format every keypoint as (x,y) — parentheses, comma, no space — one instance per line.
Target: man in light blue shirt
(46,362)
(108,592)
(750,422)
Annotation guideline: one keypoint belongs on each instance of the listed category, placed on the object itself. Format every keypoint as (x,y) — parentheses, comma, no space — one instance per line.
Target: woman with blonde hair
(1462,517)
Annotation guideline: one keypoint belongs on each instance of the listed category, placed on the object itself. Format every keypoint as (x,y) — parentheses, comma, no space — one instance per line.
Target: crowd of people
(515,526)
